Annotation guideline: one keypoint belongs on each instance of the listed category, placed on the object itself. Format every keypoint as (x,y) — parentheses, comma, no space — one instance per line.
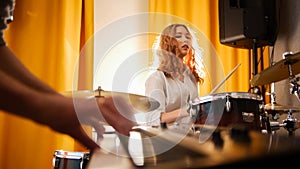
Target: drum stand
(270,117)
(290,123)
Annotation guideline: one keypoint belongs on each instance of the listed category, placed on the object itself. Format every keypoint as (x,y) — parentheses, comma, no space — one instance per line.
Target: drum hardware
(277,108)
(270,106)
(273,114)
(274,109)
(228,104)
(70,160)
(290,123)
(275,125)
(265,124)
(285,68)
(255,90)
(295,87)
(292,78)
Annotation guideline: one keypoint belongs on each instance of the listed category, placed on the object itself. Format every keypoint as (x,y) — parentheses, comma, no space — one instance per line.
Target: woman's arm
(172,116)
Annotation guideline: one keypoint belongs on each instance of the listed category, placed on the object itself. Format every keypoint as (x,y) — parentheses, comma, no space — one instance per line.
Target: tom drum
(228,109)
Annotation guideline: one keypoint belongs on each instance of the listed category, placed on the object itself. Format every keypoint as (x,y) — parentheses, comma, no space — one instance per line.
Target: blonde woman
(175,81)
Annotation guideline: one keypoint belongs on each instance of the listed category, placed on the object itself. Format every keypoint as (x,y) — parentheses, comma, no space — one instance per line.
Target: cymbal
(281,108)
(139,102)
(278,71)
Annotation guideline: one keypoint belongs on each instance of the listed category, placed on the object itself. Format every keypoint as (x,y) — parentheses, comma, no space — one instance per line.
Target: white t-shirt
(170,93)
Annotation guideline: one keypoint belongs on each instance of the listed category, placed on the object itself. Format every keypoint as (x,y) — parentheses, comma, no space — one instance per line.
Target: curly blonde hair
(165,48)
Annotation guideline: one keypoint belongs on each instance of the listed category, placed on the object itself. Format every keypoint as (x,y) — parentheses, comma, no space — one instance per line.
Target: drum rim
(70,154)
(222,95)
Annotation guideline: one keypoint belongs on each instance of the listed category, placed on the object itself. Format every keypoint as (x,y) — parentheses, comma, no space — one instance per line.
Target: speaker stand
(255,89)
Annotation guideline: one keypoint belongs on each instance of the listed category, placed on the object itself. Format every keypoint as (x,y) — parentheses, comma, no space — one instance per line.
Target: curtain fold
(47,37)
(86,57)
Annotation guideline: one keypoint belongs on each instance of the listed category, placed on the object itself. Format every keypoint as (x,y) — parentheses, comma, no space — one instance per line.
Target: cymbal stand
(271,126)
(256,89)
(272,85)
(290,123)
(295,87)
(265,123)
(274,113)
(293,79)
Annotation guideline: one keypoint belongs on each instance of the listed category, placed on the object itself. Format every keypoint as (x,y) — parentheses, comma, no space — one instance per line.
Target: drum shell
(70,160)
(235,109)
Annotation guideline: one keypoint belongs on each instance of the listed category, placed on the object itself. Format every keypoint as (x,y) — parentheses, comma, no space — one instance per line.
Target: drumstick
(218,86)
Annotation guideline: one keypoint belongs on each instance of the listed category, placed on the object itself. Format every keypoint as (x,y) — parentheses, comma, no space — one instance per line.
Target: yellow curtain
(203,15)
(46,36)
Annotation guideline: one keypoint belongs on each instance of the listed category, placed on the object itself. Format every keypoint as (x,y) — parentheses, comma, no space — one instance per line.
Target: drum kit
(248,109)
(286,68)
(228,109)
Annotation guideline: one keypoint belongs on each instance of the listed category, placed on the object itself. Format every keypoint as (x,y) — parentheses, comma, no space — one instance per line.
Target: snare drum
(228,109)
(70,160)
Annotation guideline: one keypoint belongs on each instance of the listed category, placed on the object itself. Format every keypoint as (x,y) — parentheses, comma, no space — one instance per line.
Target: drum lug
(228,104)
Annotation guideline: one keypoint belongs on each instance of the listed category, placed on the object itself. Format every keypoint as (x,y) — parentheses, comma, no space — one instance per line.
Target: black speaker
(245,23)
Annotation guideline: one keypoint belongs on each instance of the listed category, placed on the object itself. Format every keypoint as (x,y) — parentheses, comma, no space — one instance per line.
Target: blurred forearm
(11,66)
